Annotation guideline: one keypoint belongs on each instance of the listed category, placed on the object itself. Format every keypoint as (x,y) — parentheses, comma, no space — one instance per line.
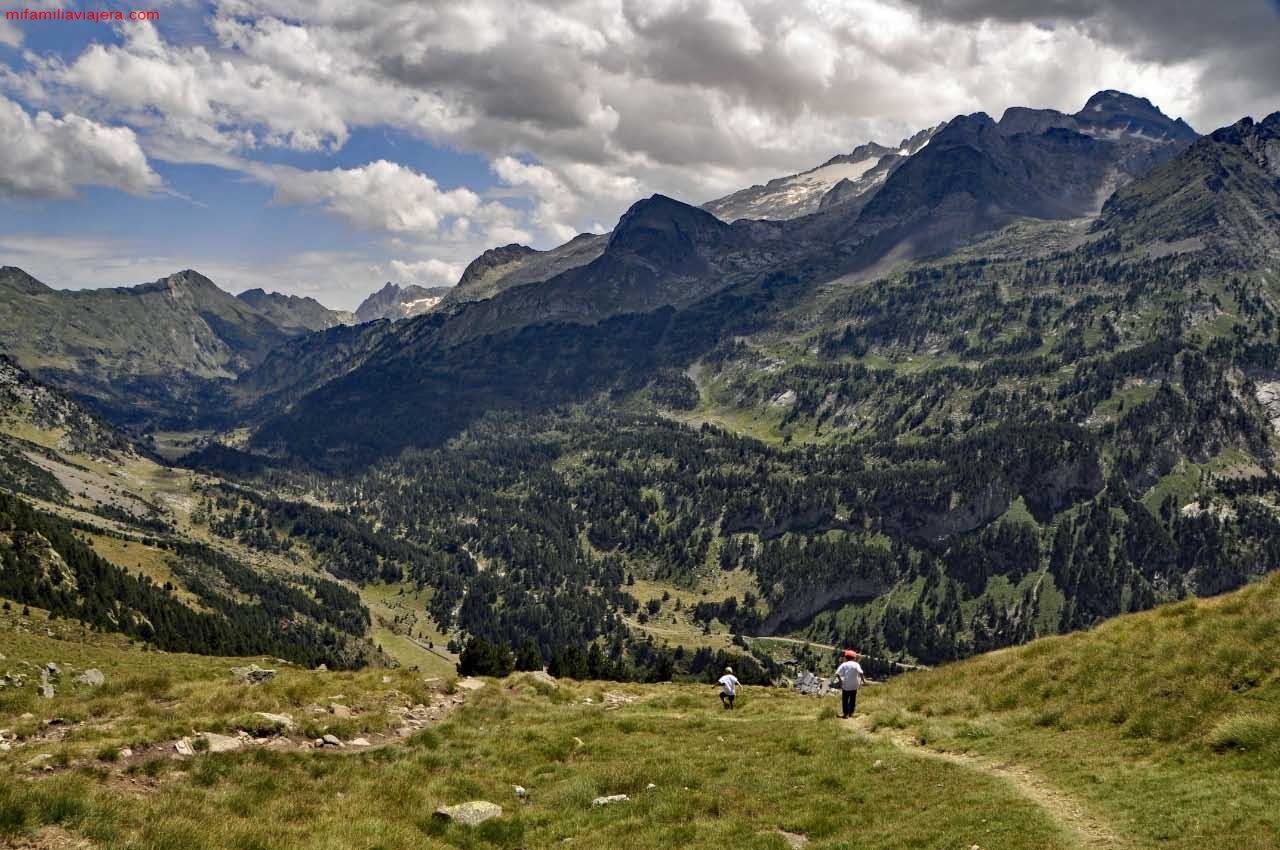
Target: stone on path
(340,711)
(184,748)
(611,799)
(794,839)
(469,814)
(361,742)
(331,741)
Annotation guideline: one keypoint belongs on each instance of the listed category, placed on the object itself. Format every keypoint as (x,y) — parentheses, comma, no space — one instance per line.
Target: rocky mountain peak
(661,228)
(17,280)
(491,259)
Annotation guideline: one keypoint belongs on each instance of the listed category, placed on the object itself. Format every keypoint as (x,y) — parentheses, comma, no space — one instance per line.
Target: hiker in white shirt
(851,678)
(728,687)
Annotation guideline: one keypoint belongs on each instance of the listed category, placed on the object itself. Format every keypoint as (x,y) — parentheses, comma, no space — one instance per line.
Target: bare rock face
(469,814)
(253,674)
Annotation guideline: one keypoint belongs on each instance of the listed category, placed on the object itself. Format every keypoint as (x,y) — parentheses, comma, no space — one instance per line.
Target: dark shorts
(848,702)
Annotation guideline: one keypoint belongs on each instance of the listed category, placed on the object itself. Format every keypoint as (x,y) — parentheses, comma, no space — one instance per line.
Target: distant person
(728,687)
(851,677)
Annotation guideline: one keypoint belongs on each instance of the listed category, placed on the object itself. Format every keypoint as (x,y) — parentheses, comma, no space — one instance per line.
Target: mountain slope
(500,269)
(1222,194)
(854,174)
(977,175)
(1168,717)
(292,313)
(140,352)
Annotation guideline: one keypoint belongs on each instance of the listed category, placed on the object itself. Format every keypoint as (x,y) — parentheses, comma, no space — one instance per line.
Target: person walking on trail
(851,677)
(728,687)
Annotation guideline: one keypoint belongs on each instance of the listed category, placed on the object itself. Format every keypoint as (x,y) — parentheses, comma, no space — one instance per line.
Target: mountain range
(1007,379)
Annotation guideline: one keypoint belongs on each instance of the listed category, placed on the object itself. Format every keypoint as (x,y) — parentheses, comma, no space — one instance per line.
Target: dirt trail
(1088,831)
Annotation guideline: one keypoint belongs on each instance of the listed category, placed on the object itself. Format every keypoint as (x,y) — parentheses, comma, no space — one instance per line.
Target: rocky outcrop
(469,814)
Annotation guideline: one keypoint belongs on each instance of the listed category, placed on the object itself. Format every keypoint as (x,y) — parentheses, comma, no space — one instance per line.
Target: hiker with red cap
(851,677)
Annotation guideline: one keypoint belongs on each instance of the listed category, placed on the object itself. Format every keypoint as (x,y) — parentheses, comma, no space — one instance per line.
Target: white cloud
(426,272)
(9,34)
(380,196)
(583,106)
(48,157)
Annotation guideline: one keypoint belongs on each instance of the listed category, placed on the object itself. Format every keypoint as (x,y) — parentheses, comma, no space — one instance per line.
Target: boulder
(469,814)
(222,743)
(609,800)
(470,684)
(282,721)
(92,678)
(361,742)
(520,791)
(339,711)
(331,741)
(184,748)
(253,674)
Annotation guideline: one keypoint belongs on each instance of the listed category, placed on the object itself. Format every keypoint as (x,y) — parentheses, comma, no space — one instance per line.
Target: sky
(323,147)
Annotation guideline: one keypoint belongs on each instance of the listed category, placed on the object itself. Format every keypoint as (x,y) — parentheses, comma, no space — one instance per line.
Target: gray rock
(470,684)
(520,791)
(92,678)
(469,814)
(222,743)
(5,746)
(342,712)
(253,674)
(282,721)
(126,753)
(53,669)
(184,748)
(39,761)
(794,839)
(361,742)
(610,800)
(331,741)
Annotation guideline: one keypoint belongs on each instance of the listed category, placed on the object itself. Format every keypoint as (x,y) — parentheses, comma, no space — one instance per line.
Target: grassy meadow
(1159,730)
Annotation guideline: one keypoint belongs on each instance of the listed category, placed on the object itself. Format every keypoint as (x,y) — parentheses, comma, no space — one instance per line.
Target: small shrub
(1244,732)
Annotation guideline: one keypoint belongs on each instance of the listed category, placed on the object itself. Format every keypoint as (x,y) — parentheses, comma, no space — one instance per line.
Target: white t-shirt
(850,675)
(730,683)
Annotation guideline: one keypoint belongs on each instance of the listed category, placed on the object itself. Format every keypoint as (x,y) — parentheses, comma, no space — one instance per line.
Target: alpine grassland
(1152,730)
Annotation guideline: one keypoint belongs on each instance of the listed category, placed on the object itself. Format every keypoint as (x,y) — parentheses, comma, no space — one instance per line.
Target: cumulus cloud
(1229,47)
(382,195)
(430,272)
(581,106)
(9,34)
(48,157)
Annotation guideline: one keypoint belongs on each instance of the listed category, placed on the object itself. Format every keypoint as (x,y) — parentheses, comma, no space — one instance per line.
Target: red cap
(851,653)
